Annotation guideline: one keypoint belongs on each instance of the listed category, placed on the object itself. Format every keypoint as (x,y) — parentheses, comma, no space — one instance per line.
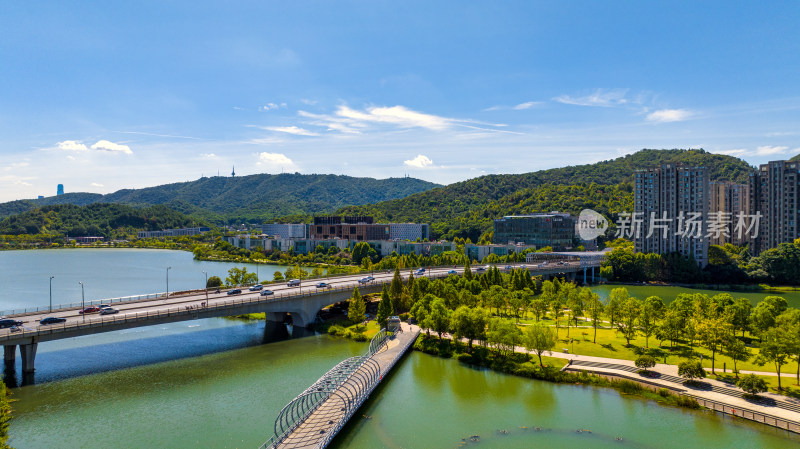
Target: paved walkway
(317,430)
(730,399)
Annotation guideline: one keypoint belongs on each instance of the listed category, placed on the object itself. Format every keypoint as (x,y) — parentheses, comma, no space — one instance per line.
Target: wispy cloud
(72,145)
(308,102)
(275,161)
(600,97)
(769,150)
(271,106)
(396,115)
(421,161)
(208,156)
(159,135)
(96,184)
(518,107)
(111,147)
(669,115)
(290,130)
(738,152)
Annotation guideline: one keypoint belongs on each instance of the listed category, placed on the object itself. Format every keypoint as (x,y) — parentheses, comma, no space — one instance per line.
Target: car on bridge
(293,283)
(267,292)
(9,323)
(480,269)
(89,310)
(256,288)
(108,311)
(420,271)
(323,285)
(452,272)
(52,320)
(365,280)
(235,291)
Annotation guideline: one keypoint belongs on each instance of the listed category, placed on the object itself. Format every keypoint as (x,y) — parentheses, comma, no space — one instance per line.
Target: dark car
(266,292)
(452,272)
(87,310)
(235,291)
(8,323)
(256,288)
(52,320)
(323,285)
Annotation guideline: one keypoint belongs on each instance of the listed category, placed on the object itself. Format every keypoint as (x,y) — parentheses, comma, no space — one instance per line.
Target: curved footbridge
(315,416)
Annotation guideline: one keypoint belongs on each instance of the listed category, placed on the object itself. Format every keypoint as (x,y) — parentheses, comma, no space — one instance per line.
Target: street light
(167,297)
(51,294)
(83,303)
(204,272)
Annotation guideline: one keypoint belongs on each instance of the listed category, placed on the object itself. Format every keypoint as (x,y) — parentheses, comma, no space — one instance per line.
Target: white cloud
(105,145)
(275,161)
(271,106)
(420,161)
(308,102)
(208,156)
(526,105)
(600,97)
(769,150)
(96,184)
(16,165)
(738,152)
(669,115)
(397,115)
(72,145)
(291,130)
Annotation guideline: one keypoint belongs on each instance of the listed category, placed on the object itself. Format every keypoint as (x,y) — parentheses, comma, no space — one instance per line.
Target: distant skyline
(103,96)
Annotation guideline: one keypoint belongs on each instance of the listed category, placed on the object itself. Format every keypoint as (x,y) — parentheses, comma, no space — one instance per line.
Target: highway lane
(280,290)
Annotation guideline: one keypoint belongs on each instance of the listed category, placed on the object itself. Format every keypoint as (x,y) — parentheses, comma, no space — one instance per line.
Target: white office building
(408,231)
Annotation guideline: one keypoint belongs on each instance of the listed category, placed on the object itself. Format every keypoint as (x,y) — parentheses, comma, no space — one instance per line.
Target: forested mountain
(796,158)
(254,198)
(466,209)
(107,220)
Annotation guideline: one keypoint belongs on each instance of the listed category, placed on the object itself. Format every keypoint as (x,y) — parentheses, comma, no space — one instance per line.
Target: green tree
(645,362)
(595,307)
(775,348)
(691,369)
(539,339)
(737,351)
(503,335)
(671,327)
(396,290)
(740,312)
(439,317)
(713,332)
(752,384)
(240,276)
(277,276)
(213,282)
(5,416)
(629,315)
(385,309)
(356,308)
(615,300)
(648,317)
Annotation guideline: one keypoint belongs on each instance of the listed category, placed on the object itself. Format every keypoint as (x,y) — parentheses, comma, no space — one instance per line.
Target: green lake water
(216,383)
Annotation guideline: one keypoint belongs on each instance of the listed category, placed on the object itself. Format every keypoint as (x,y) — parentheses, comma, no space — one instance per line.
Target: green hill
(466,209)
(253,198)
(107,220)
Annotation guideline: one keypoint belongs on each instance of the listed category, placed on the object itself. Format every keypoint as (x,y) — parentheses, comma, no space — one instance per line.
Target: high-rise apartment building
(60,189)
(671,204)
(774,194)
(729,201)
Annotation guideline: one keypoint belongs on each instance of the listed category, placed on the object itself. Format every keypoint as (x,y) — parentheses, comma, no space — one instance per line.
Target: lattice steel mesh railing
(311,418)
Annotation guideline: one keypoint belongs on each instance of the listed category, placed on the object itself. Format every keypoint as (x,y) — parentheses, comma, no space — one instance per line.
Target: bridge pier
(28,353)
(9,354)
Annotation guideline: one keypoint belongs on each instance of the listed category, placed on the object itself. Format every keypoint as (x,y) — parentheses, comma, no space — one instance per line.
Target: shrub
(664,392)
(752,384)
(687,402)
(691,369)
(359,336)
(464,358)
(336,330)
(214,281)
(404,316)
(629,387)
(645,361)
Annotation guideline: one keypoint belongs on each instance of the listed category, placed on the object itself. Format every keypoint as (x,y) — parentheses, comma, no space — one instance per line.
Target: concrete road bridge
(299,304)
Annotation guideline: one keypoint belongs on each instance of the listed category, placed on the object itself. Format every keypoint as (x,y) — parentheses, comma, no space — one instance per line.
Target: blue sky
(107,95)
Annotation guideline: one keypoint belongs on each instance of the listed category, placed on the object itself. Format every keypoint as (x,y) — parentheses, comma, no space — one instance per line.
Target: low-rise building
(172,232)
(479,252)
(286,230)
(553,229)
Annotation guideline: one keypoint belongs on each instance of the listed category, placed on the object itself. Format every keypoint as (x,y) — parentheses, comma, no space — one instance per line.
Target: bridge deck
(321,426)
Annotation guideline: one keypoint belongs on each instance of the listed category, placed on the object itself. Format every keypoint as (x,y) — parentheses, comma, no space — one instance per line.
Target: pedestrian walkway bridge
(315,416)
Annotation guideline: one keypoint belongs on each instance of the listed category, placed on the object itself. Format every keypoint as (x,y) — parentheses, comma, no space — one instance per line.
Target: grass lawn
(611,344)
(370,330)
(789,384)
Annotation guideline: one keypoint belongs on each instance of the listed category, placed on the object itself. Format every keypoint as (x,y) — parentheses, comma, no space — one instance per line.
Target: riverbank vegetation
(494,307)
(727,264)
(5,415)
